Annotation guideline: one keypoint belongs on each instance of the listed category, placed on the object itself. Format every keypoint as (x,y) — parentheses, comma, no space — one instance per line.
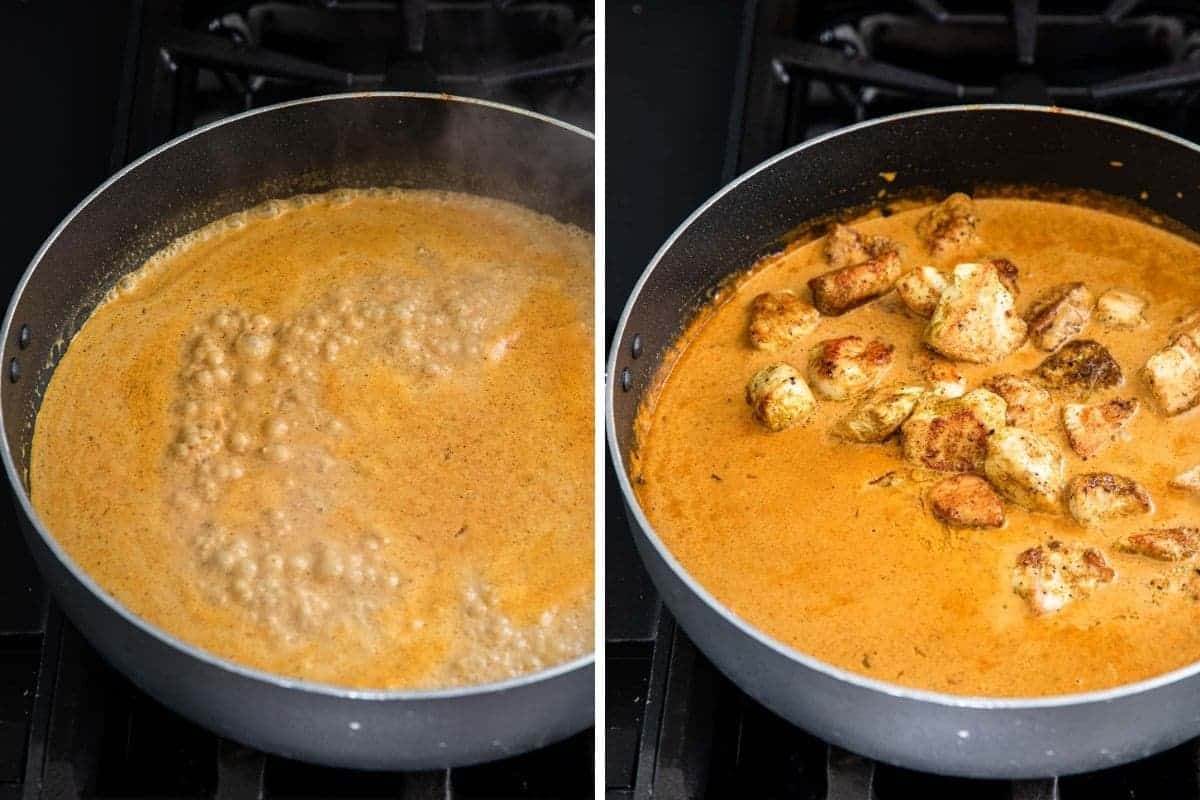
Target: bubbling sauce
(343,437)
(829,546)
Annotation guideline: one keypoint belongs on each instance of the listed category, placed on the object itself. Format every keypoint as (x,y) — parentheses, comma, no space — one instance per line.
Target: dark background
(671,81)
(63,61)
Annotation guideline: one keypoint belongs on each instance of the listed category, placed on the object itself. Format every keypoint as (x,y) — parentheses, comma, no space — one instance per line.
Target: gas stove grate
(198,64)
(692,734)
(71,727)
(818,67)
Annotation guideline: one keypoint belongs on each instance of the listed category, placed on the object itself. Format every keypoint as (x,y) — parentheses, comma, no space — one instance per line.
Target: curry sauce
(344,437)
(829,545)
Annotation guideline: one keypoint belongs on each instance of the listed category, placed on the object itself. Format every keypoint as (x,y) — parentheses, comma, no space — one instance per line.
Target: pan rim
(898,691)
(211,659)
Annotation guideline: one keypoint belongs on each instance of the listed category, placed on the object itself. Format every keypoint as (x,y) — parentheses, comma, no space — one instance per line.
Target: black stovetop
(109,88)
(730,85)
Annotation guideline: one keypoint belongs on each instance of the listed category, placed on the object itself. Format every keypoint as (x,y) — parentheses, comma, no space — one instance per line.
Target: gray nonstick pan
(360,140)
(951,149)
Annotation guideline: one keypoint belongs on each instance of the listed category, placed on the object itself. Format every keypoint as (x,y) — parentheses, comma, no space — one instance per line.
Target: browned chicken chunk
(779,397)
(1083,366)
(1117,308)
(1173,373)
(951,435)
(1008,273)
(966,501)
(950,226)
(944,377)
(1060,573)
(1101,496)
(846,246)
(880,414)
(921,289)
(1189,322)
(841,290)
(975,318)
(1091,428)
(842,369)
(1027,402)
(1026,467)
(1165,544)
(1060,314)
(1188,481)
(779,318)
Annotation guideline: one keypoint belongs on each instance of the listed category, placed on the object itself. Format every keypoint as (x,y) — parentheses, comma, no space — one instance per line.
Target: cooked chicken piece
(920,290)
(1173,373)
(1008,273)
(988,406)
(1091,428)
(1027,402)
(1060,314)
(1188,481)
(880,414)
(845,246)
(950,225)
(1188,323)
(1166,544)
(951,435)
(779,318)
(842,369)
(974,319)
(966,501)
(1026,467)
(779,397)
(1083,366)
(1121,309)
(841,290)
(944,377)
(1101,496)
(1050,577)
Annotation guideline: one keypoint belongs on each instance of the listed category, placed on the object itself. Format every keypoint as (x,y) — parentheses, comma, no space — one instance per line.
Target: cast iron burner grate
(816,67)
(680,729)
(92,734)
(71,727)
(677,728)
(203,61)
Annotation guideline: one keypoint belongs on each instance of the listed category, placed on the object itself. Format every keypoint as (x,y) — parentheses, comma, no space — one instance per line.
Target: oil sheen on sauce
(343,437)
(788,531)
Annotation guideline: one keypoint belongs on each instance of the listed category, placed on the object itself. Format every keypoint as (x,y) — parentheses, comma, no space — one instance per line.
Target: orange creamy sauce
(346,438)
(787,530)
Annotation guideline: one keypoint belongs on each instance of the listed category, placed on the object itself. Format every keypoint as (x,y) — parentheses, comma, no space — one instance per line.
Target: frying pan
(953,149)
(380,139)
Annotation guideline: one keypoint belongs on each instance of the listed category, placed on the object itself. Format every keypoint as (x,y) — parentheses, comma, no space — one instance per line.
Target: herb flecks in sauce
(250,443)
(833,548)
